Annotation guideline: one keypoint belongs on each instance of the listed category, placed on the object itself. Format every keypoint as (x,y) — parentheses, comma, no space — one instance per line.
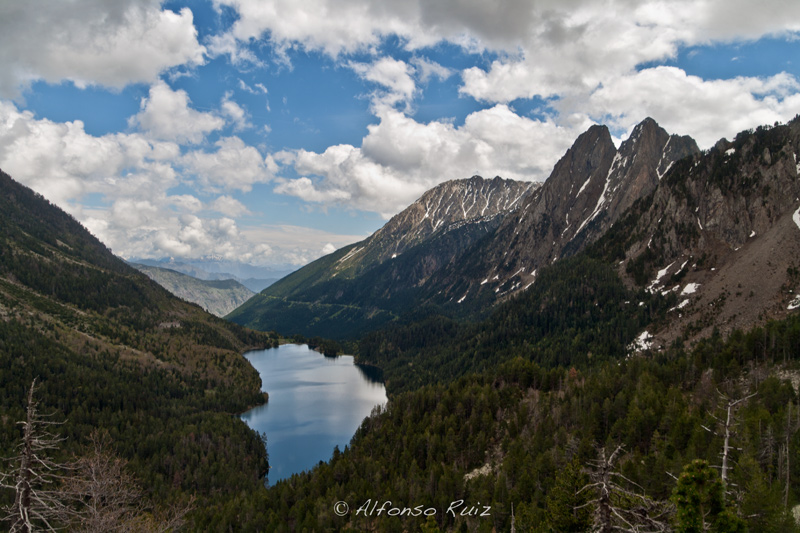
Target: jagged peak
(595,133)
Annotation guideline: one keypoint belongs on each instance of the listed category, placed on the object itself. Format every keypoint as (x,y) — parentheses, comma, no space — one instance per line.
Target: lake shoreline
(316,403)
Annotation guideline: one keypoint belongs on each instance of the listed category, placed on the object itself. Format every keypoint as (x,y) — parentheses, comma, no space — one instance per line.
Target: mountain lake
(315,403)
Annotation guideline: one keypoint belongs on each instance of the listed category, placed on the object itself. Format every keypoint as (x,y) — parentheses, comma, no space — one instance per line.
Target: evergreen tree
(699,498)
(566,504)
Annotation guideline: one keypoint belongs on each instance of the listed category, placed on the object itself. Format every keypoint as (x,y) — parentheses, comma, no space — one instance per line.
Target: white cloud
(63,162)
(346,26)
(546,48)
(688,105)
(165,114)
(235,112)
(186,202)
(234,165)
(428,69)
(392,74)
(400,158)
(106,42)
(138,216)
(229,206)
(259,88)
(293,244)
(578,47)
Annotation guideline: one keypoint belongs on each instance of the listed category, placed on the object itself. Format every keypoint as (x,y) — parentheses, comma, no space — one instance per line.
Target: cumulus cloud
(545,48)
(689,105)
(233,165)
(229,206)
(235,113)
(134,174)
(346,26)
(105,42)
(63,162)
(579,46)
(400,158)
(428,69)
(395,76)
(165,114)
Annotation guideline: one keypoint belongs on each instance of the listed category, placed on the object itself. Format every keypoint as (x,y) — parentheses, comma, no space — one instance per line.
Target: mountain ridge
(488,257)
(370,283)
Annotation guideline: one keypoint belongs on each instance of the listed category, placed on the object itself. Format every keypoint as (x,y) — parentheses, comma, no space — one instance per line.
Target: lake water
(315,403)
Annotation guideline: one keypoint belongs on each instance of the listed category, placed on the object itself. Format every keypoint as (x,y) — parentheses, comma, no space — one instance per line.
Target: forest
(110,350)
(534,436)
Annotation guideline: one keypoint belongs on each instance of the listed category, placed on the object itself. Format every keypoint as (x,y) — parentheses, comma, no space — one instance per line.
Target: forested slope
(529,435)
(112,350)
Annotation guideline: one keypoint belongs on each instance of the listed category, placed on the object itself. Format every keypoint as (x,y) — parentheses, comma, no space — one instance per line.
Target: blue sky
(273,131)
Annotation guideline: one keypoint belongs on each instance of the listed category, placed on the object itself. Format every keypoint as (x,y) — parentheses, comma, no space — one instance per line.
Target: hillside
(218,297)
(371,283)
(722,233)
(527,407)
(713,247)
(111,349)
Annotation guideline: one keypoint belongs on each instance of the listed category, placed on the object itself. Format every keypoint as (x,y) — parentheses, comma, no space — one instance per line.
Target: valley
(529,336)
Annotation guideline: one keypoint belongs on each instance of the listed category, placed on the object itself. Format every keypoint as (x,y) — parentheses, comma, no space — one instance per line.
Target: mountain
(587,191)
(365,285)
(113,351)
(559,411)
(255,278)
(451,250)
(721,234)
(714,248)
(218,297)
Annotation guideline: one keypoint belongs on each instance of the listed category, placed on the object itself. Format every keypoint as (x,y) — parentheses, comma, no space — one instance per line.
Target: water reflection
(315,403)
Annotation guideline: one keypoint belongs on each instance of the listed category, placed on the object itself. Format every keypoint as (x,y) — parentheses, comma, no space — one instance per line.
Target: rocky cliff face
(588,190)
(722,233)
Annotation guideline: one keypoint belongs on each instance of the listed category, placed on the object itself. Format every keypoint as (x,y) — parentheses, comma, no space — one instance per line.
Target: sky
(275,131)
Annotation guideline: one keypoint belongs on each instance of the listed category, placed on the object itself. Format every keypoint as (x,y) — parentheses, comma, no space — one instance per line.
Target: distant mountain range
(256,278)
(715,227)
(218,297)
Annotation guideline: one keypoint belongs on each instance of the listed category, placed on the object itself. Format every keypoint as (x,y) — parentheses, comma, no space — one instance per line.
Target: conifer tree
(566,509)
(700,502)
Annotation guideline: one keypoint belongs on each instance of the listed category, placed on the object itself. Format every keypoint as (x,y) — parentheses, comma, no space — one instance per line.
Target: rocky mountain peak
(451,203)
(588,190)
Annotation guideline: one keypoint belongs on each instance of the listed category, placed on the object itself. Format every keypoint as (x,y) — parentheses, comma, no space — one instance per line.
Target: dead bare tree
(618,508)
(104,497)
(95,493)
(784,466)
(727,425)
(33,476)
